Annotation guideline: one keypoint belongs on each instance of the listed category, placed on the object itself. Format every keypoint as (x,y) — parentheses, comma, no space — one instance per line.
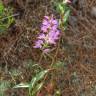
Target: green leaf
(59,64)
(37,78)
(66,16)
(21,85)
(1,8)
(60,7)
(4,85)
(31,86)
(64,10)
(36,89)
(40,75)
(6,18)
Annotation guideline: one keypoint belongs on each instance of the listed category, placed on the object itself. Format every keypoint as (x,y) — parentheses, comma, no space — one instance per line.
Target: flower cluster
(49,34)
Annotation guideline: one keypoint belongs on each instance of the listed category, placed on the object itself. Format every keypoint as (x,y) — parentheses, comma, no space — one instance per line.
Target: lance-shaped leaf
(66,16)
(21,85)
(37,78)
(37,88)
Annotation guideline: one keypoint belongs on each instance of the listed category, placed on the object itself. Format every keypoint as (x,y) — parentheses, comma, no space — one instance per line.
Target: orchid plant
(50,31)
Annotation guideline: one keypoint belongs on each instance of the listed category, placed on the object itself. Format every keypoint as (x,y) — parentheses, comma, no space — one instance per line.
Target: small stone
(93,12)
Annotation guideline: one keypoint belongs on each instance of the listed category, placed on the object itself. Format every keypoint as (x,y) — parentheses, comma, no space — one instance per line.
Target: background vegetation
(69,70)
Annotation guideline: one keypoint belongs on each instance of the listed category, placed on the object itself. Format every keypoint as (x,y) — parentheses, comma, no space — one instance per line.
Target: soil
(77,48)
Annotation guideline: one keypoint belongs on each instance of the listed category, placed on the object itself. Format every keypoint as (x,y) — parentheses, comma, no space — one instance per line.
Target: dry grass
(77,49)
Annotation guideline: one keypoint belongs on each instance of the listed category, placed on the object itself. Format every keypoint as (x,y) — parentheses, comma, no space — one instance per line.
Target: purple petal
(55,22)
(45,22)
(51,41)
(54,27)
(51,20)
(41,36)
(51,33)
(57,32)
(46,17)
(46,50)
(38,44)
(44,28)
(54,35)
